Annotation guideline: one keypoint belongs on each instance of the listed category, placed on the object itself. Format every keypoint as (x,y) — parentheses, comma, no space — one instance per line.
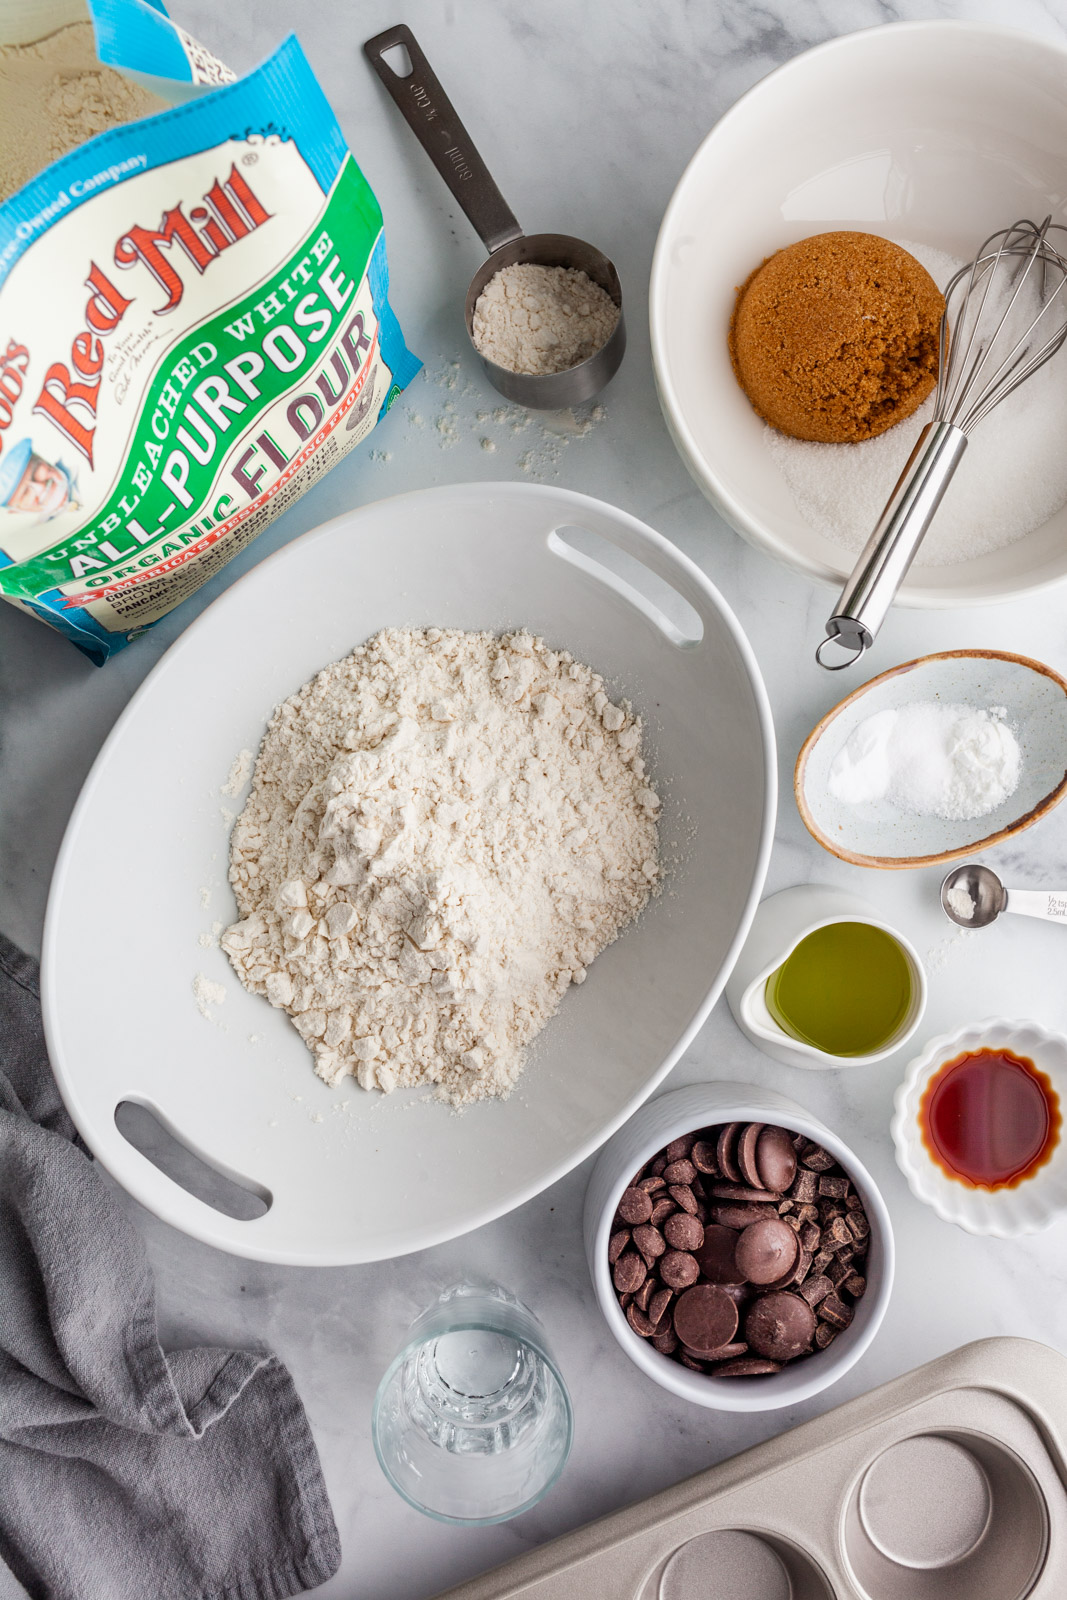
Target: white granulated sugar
(542,319)
(208,993)
(240,773)
(1012,478)
(929,758)
(444,830)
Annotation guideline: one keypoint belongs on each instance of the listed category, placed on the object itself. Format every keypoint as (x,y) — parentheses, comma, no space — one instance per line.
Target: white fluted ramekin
(1004,1213)
(702,1105)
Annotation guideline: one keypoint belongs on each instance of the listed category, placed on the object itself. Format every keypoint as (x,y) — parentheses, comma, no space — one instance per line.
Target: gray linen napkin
(125,1472)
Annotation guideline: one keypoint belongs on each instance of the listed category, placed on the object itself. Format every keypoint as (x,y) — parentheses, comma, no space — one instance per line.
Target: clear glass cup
(472,1422)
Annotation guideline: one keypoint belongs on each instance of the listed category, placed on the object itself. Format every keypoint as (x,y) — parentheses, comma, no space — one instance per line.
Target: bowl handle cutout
(145,1127)
(644,585)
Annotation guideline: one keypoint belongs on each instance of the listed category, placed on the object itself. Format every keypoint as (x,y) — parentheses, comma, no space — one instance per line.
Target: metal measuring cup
(449,146)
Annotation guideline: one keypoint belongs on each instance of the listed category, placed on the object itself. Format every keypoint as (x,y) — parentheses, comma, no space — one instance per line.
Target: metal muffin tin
(946,1484)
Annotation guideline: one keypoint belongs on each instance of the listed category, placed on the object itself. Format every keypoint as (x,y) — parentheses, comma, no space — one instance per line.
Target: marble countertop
(613,97)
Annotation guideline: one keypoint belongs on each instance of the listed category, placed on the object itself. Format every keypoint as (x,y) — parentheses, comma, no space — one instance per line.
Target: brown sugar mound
(835,338)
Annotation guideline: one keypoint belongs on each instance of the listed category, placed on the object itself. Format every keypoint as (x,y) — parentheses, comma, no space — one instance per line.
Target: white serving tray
(349,1176)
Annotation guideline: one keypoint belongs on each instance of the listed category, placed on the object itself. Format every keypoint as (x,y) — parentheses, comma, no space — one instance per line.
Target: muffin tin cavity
(735,1564)
(946,1516)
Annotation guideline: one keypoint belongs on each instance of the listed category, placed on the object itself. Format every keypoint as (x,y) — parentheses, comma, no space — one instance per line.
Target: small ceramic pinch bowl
(877,834)
(1005,1213)
(702,1105)
(932,133)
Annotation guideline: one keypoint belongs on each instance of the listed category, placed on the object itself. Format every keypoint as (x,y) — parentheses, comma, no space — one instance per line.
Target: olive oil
(846,989)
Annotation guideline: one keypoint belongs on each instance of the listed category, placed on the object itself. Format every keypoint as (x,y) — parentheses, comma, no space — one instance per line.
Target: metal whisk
(991,340)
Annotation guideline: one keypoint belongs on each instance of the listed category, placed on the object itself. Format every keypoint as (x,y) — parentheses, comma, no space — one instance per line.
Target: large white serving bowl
(350,1176)
(937,133)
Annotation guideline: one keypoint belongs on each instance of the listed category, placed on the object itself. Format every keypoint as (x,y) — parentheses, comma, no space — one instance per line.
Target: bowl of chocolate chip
(741,1254)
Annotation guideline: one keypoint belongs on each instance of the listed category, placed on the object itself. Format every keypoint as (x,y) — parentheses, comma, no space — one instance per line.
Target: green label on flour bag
(188,338)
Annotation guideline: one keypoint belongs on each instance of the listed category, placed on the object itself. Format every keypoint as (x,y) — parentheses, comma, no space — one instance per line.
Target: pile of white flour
(444,830)
(542,319)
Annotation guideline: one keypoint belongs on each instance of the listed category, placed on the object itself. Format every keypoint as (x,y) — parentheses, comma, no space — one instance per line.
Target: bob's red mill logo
(71,389)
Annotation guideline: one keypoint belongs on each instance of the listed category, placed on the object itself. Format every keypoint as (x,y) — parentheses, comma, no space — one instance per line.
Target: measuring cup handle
(442,135)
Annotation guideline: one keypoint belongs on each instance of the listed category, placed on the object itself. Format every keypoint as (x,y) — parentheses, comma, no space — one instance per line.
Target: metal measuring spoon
(973,896)
(431,115)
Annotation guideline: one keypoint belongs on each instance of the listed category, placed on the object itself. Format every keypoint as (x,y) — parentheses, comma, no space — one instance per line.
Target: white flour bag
(194,326)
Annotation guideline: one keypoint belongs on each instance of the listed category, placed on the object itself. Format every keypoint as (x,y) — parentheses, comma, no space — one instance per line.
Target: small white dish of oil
(823,982)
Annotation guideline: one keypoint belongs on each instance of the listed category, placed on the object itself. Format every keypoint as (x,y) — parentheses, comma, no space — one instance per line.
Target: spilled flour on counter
(208,994)
(444,830)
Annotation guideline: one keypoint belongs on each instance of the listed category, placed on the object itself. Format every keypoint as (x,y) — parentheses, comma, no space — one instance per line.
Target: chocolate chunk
(679,1172)
(683,1232)
(726,1352)
(617,1244)
(776,1160)
(822,1260)
(816,1159)
(767,1251)
(630,1272)
(805,1186)
(845,1255)
(825,1335)
(678,1269)
(853,1202)
(834,1310)
(796,1274)
(802,1268)
(678,1149)
(645,1293)
(779,1326)
(855,1285)
(650,1185)
(857,1224)
(747,1367)
(702,1156)
(746,1154)
(662,1209)
(810,1236)
(828,1210)
(705,1318)
(639,1322)
(793,1221)
(725,1148)
(667,1341)
(816,1289)
(833,1188)
(838,1233)
(635,1206)
(649,1241)
(683,1196)
(741,1193)
(785,1207)
(838,1271)
(807,1212)
(657,1306)
(735,1214)
(717,1256)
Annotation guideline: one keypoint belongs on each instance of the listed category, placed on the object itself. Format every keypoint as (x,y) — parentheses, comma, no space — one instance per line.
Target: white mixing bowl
(683,1111)
(348,1176)
(933,132)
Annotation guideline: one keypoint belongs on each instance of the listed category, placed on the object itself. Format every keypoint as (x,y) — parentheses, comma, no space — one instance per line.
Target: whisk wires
(1005,316)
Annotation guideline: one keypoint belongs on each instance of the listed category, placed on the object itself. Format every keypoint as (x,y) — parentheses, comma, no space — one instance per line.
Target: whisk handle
(889,551)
